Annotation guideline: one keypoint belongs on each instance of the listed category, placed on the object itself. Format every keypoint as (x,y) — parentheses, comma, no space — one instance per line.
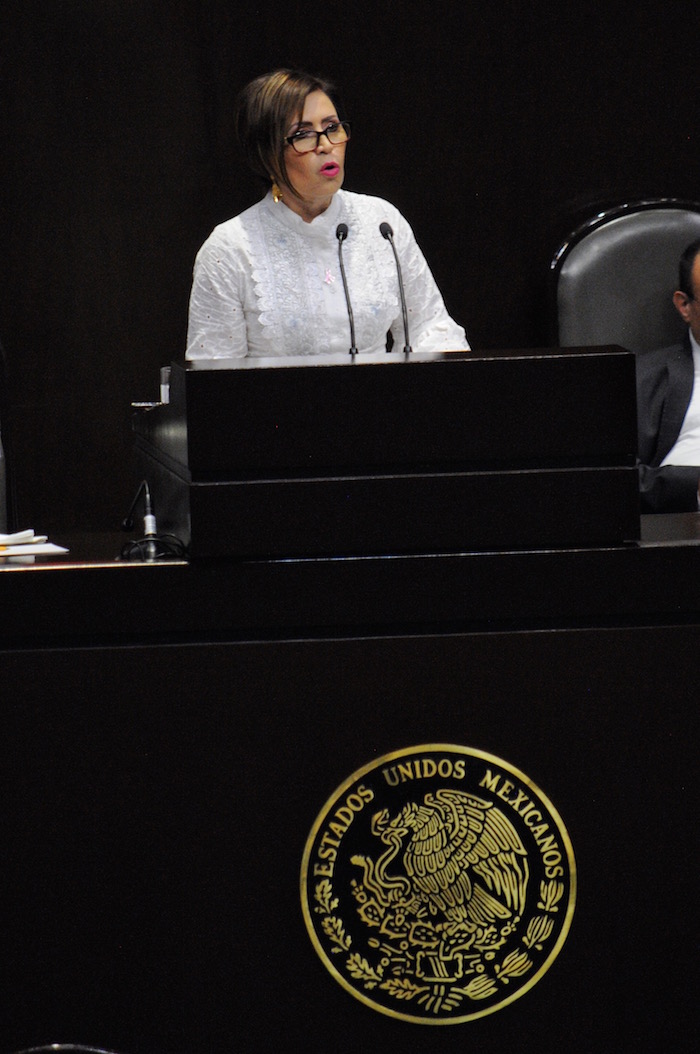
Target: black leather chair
(613,278)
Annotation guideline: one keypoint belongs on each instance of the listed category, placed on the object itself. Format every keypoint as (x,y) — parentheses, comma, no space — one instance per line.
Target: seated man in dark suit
(668,406)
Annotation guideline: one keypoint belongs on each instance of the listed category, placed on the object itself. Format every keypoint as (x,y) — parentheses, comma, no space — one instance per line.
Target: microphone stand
(152,546)
(386,232)
(341,233)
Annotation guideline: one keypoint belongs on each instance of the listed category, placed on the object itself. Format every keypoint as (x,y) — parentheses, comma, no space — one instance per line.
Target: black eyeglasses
(306,139)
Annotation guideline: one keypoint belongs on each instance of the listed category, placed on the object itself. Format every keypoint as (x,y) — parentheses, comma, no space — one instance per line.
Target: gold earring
(276,193)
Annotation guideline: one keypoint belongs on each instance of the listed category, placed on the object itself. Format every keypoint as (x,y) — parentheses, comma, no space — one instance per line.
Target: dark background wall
(495,127)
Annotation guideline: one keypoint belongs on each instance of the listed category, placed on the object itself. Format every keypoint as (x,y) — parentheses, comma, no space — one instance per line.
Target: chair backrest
(613,278)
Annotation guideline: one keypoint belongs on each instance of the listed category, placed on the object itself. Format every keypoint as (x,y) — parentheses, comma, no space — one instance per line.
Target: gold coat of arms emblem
(438,884)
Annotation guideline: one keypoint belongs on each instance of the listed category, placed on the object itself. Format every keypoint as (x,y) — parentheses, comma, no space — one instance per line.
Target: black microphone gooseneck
(386,232)
(341,233)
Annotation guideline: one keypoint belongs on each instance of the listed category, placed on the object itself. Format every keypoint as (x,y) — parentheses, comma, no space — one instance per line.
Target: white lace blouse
(266,283)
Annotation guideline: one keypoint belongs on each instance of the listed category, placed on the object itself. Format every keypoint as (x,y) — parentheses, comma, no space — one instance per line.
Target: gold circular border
(320,820)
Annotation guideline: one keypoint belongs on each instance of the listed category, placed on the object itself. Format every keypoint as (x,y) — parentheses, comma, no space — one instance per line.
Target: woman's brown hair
(266,109)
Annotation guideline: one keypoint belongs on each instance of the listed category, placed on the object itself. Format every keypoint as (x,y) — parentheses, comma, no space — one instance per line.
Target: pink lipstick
(330,169)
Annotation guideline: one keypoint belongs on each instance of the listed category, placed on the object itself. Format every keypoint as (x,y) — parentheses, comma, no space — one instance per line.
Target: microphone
(150,533)
(386,232)
(341,233)
(152,546)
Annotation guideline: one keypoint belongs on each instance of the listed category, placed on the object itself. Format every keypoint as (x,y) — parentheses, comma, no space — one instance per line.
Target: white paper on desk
(38,549)
(18,537)
(23,538)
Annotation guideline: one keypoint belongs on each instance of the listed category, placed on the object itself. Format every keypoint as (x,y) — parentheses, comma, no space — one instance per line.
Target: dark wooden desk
(169,733)
(91,597)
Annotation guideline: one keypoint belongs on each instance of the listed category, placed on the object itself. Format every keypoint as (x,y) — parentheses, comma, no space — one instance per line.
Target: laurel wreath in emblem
(442,903)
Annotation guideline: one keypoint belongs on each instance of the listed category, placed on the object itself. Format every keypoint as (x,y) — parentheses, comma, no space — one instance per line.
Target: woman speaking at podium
(310,269)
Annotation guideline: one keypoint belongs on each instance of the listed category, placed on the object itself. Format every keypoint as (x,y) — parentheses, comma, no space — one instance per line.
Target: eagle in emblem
(462,859)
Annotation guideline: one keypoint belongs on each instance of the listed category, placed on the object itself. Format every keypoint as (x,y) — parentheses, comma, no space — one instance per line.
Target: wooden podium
(174,728)
(448,452)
